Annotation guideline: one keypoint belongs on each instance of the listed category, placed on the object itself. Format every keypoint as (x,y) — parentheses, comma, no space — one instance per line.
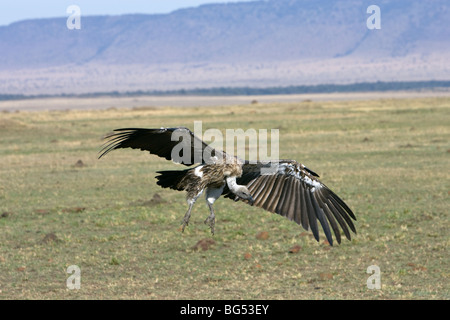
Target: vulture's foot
(211,221)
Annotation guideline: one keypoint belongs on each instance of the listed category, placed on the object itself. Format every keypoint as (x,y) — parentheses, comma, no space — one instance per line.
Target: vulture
(290,189)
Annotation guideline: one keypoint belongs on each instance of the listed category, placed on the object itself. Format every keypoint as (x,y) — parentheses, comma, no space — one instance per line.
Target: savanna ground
(388,159)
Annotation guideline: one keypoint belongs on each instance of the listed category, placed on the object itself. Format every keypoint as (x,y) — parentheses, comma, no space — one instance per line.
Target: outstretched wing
(293,191)
(177,144)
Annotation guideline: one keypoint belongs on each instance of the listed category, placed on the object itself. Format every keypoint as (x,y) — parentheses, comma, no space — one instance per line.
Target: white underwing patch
(198,171)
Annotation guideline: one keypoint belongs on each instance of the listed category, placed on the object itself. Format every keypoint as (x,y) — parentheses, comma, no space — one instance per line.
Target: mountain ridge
(258,43)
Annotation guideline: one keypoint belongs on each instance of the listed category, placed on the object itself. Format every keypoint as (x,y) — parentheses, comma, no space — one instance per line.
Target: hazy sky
(15,10)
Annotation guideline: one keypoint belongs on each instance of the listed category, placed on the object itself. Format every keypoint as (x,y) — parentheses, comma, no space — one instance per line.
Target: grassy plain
(388,158)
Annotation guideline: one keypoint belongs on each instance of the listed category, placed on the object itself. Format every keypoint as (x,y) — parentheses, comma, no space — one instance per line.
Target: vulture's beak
(250,200)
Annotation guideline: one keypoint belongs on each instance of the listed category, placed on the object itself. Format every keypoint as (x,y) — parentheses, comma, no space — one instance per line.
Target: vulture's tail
(172,179)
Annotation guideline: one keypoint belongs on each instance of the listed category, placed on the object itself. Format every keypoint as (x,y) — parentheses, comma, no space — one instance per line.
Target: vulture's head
(243,193)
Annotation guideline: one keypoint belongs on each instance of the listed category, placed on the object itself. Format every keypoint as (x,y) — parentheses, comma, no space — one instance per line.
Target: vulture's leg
(212,194)
(187,216)
(191,201)
(211,220)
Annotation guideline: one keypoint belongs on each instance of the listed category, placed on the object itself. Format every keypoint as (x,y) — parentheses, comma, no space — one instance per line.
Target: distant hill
(260,43)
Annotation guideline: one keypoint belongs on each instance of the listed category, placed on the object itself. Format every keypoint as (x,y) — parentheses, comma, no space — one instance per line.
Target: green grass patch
(389,159)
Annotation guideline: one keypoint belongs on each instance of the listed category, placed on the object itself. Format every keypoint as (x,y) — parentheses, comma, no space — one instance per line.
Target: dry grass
(387,158)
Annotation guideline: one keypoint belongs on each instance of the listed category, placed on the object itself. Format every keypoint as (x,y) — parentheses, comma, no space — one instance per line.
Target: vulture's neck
(232,184)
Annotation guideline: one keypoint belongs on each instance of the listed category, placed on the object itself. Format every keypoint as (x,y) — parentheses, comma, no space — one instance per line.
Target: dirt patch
(50,237)
(6,214)
(263,235)
(247,255)
(325,276)
(155,200)
(73,210)
(42,211)
(204,244)
(295,249)
(79,164)
(416,267)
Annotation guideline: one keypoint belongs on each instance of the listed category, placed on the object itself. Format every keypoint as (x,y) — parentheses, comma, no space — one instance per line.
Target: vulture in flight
(290,190)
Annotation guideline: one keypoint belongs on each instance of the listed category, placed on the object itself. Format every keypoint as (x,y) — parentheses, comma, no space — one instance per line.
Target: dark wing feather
(160,142)
(293,191)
